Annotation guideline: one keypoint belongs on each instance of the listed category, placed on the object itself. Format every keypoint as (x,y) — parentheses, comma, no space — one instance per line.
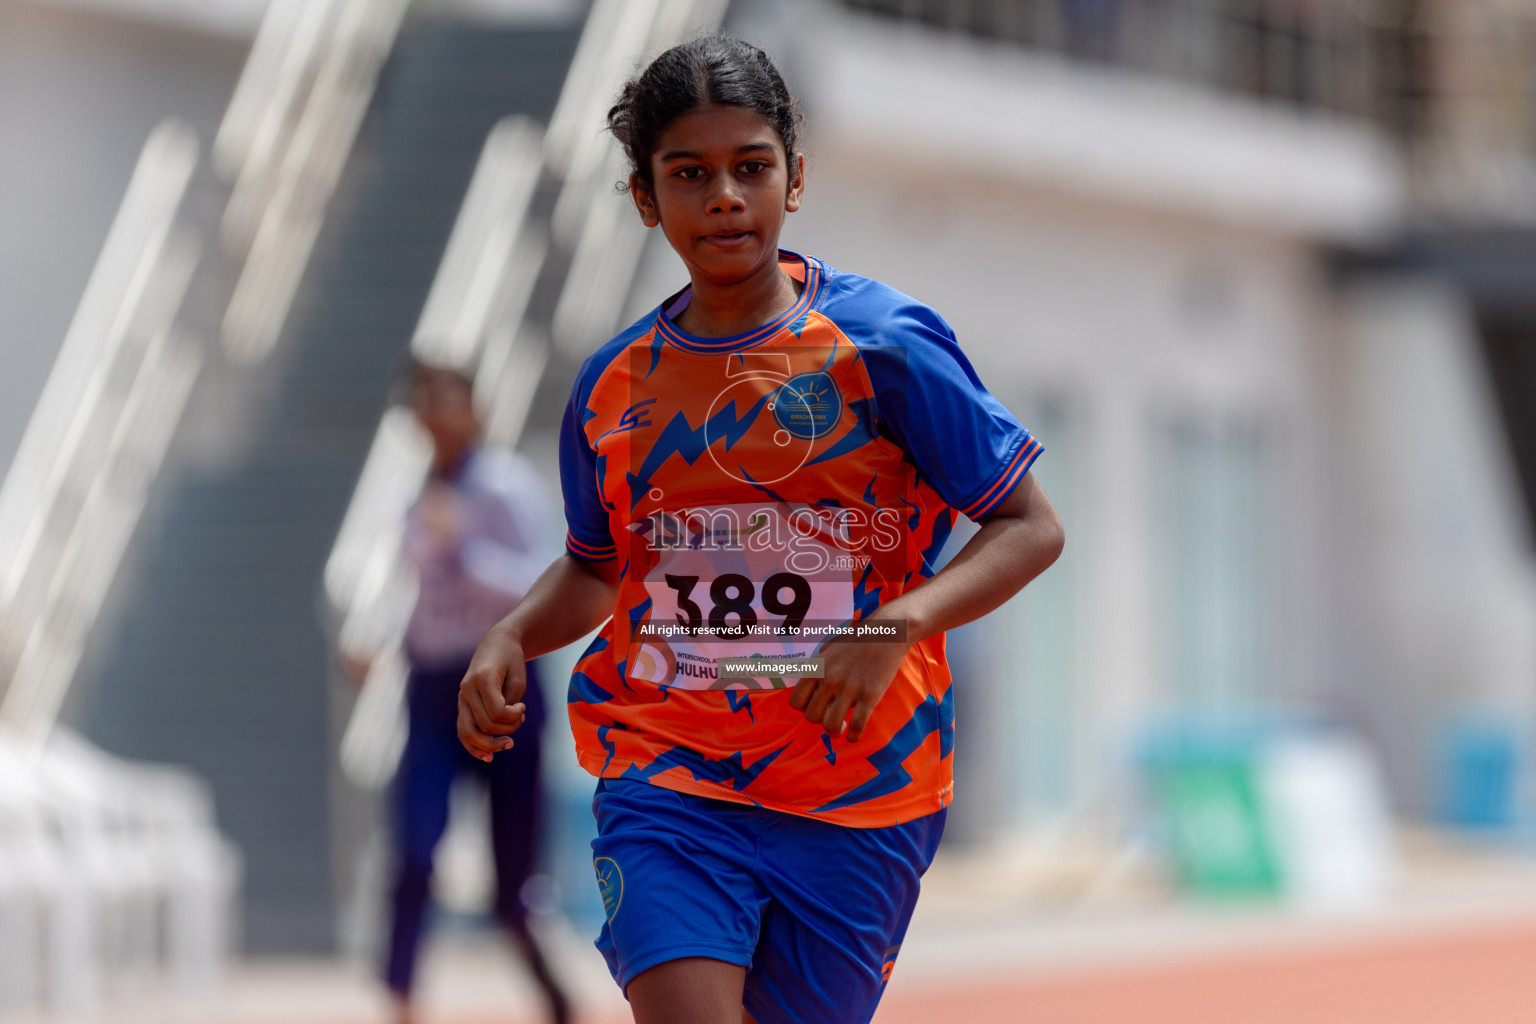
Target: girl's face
(721,187)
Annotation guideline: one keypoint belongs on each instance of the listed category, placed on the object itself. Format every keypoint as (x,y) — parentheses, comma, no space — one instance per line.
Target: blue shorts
(816,912)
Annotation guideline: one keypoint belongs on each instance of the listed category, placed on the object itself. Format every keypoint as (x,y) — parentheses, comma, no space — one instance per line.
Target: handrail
(473,270)
(116,287)
(262,108)
(96,436)
(275,213)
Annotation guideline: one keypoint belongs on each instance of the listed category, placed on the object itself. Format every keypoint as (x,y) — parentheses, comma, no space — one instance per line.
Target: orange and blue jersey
(763,494)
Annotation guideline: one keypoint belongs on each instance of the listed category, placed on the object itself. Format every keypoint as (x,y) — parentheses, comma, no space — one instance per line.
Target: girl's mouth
(732,240)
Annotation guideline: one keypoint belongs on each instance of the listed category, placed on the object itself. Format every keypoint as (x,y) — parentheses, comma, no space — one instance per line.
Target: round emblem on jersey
(610,884)
(808,405)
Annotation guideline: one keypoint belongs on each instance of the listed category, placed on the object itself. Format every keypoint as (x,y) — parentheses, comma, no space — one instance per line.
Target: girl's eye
(690,173)
(754,166)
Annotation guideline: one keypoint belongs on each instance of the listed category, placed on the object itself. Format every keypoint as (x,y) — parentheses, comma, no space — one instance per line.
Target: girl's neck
(721,311)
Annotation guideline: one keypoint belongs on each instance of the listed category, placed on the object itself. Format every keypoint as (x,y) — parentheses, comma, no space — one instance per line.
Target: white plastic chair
(113,879)
(167,873)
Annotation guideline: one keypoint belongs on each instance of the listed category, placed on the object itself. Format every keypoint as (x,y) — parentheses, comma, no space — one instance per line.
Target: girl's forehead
(717,126)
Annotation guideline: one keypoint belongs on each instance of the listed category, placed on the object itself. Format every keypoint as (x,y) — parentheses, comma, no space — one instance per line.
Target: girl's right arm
(571,598)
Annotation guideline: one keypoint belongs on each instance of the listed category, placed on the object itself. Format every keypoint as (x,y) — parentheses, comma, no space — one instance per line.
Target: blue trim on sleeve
(1007,479)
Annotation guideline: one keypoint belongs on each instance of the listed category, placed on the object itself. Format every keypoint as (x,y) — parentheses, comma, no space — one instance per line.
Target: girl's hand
(569,600)
(1015,543)
(857,676)
(490,696)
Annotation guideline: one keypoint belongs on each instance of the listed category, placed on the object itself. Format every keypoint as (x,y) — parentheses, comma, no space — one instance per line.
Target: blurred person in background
(475,538)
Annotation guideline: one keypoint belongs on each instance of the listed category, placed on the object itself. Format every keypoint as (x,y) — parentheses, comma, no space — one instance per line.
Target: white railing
(96,437)
(286,138)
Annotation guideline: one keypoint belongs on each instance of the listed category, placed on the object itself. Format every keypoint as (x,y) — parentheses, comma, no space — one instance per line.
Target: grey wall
(79,94)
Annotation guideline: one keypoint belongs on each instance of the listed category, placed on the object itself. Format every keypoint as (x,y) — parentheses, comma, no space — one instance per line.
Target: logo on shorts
(890,963)
(610,884)
(808,405)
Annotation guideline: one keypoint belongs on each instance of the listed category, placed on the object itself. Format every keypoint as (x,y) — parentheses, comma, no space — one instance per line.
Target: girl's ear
(796,184)
(645,201)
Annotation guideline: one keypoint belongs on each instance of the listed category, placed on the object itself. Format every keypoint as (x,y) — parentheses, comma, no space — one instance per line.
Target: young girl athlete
(779,451)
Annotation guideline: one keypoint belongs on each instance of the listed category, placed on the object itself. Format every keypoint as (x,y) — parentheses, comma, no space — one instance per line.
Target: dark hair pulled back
(714,69)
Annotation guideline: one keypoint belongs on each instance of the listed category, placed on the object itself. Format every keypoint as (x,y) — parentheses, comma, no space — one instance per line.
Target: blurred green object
(1218,834)
(1267,802)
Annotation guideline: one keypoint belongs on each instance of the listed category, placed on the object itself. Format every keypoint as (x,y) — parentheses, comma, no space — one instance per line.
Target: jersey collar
(806,269)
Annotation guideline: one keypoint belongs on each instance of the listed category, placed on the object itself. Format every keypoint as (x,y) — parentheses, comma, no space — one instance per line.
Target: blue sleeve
(964,442)
(586,519)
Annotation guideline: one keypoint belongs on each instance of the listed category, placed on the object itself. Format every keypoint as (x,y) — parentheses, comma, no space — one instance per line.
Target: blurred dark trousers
(433,758)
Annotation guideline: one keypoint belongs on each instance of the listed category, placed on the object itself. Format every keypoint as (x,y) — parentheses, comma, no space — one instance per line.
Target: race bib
(773,580)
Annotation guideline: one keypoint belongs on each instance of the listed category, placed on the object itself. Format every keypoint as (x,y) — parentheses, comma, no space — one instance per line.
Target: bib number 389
(731,597)
(739,582)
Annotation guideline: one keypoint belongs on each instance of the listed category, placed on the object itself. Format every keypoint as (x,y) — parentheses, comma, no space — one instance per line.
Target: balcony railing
(1360,58)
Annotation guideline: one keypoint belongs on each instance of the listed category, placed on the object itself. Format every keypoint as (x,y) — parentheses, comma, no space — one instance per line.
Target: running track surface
(1473,976)
(1483,976)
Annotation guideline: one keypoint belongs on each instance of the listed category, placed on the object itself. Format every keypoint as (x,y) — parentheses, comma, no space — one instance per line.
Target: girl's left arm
(1017,542)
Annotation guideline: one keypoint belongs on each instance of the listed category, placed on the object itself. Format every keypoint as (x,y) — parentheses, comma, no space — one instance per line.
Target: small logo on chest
(808,405)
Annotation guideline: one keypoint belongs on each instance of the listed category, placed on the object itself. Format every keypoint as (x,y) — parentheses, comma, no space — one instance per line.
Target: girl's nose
(726,199)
